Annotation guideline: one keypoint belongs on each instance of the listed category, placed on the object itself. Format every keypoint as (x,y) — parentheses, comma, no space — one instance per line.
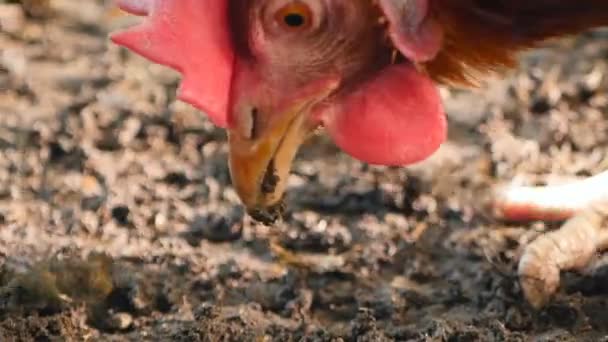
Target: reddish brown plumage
(484,36)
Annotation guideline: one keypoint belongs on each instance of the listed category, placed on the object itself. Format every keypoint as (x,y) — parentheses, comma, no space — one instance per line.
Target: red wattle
(396,118)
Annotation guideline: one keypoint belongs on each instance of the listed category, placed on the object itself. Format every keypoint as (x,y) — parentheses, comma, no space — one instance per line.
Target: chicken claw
(572,247)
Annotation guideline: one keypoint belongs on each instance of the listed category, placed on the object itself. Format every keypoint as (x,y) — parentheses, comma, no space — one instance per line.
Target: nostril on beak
(253,133)
(249,123)
(269,215)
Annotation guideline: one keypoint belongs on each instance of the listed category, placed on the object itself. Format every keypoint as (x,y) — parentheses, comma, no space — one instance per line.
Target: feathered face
(273,71)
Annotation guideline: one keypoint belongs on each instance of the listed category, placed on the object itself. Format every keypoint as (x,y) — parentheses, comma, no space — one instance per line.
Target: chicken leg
(574,246)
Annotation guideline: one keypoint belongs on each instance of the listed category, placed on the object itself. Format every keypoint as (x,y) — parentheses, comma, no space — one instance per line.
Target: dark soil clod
(268,216)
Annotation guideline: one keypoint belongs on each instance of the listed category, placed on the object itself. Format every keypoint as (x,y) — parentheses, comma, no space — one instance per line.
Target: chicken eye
(295,16)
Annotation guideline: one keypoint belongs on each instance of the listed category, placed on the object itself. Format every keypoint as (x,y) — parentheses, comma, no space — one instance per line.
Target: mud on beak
(260,162)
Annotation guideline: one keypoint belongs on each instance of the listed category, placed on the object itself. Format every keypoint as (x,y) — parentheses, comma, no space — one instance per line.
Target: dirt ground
(118,221)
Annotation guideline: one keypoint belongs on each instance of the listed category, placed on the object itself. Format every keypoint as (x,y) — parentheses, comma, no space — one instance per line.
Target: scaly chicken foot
(572,247)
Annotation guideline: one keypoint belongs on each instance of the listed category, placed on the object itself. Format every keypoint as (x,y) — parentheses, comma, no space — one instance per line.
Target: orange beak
(260,165)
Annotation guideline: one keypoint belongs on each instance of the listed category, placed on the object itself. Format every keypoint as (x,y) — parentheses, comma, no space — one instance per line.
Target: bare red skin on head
(393,118)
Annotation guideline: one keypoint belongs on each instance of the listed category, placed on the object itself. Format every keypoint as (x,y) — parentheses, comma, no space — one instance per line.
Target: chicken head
(273,71)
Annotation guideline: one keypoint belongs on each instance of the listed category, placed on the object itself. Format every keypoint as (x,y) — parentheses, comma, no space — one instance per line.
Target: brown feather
(484,36)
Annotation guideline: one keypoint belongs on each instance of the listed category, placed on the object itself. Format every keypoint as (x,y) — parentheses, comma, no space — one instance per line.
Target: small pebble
(120,321)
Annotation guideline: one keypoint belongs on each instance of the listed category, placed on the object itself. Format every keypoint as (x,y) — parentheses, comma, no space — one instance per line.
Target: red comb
(192,37)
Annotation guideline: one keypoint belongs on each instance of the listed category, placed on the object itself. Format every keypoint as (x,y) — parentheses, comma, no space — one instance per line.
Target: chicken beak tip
(259,169)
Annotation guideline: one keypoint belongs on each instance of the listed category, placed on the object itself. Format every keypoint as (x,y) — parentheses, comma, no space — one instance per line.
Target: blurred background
(118,220)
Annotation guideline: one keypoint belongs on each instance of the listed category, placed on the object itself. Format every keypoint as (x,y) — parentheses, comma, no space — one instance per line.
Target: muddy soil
(118,221)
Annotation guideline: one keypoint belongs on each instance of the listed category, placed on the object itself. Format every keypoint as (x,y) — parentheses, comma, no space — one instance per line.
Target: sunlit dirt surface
(118,221)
